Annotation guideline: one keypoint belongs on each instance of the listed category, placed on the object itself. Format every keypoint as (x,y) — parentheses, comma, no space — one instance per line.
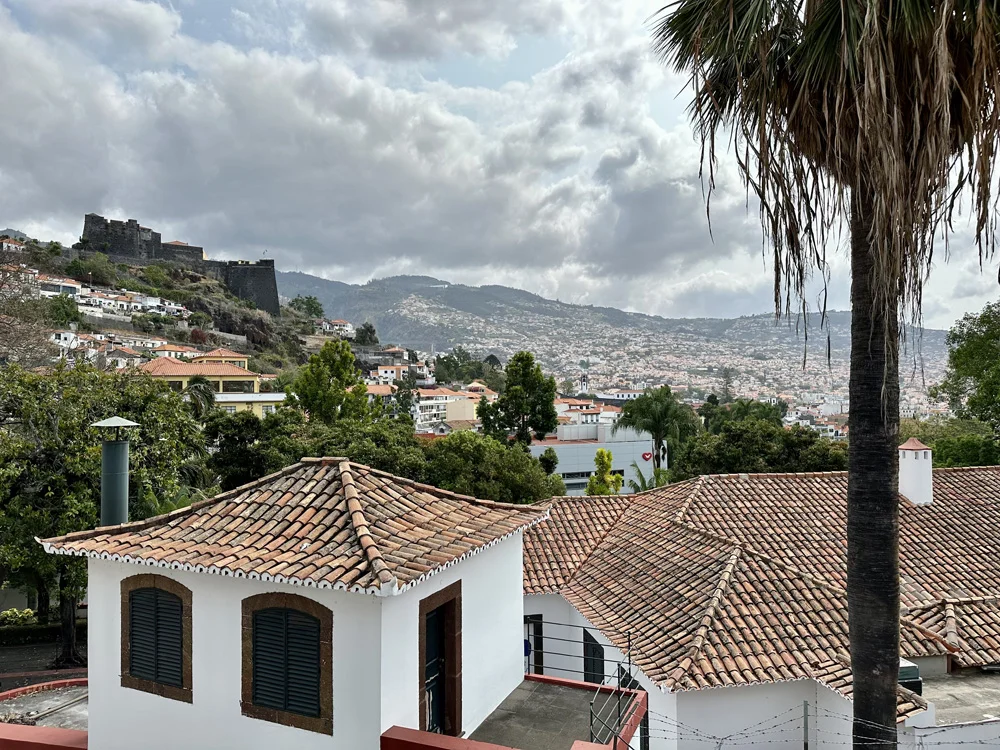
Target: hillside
(424,313)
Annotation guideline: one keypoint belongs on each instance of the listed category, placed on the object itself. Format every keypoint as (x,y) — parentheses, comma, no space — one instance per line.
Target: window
(267,409)
(237,386)
(287,661)
(156,636)
(229,409)
(593,659)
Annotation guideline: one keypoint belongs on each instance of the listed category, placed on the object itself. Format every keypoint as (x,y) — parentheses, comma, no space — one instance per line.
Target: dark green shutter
(286,669)
(156,636)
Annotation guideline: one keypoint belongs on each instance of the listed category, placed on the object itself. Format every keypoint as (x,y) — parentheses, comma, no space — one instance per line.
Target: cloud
(317,132)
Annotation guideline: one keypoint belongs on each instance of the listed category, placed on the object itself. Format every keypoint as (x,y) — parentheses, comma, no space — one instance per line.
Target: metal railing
(569,654)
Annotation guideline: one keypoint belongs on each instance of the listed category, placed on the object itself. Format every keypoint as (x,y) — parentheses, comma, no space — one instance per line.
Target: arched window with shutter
(287,653)
(156,636)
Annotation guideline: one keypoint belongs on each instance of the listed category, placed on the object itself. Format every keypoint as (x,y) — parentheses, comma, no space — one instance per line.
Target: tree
(493,361)
(876,118)
(665,419)
(246,447)
(567,387)
(62,311)
(753,446)
(200,396)
(386,444)
(603,481)
(404,396)
(955,442)
(200,320)
(972,380)
(51,465)
(308,306)
(329,386)
(22,317)
(657,478)
(549,460)
(97,269)
(726,375)
(527,405)
(473,464)
(741,409)
(366,335)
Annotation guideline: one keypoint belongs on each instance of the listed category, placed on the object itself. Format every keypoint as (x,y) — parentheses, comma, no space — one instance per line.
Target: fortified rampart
(128,242)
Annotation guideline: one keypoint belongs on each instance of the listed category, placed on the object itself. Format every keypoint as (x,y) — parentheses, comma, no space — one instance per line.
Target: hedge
(22,635)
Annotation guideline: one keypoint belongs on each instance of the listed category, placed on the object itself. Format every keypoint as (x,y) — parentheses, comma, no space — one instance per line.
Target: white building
(434,405)
(577,446)
(414,624)
(53,286)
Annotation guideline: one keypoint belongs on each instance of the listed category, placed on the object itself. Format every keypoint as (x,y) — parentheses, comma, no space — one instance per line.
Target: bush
(22,635)
(17,617)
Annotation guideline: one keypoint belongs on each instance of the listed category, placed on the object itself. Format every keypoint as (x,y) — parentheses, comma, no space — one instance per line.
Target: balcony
(556,710)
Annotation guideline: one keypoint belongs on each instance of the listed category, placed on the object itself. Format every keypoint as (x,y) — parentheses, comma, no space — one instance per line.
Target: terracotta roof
(706,612)
(325,522)
(914,445)
(175,348)
(227,353)
(972,625)
(381,390)
(166,366)
(836,675)
(554,550)
(175,242)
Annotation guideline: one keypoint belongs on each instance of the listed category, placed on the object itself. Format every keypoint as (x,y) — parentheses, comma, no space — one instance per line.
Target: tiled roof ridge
(435,490)
(817,668)
(708,617)
(164,518)
(699,485)
(951,624)
(360,524)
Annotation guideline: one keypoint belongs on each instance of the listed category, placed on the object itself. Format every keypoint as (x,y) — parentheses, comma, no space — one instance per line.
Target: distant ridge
(423,312)
(13,234)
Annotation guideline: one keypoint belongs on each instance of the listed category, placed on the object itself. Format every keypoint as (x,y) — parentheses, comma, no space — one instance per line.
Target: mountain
(425,313)
(13,234)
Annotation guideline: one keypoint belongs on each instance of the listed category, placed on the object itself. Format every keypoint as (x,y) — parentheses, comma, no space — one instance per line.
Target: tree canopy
(308,306)
(659,413)
(365,335)
(972,380)
(603,481)
(527,405)
(955,442)
(329,387)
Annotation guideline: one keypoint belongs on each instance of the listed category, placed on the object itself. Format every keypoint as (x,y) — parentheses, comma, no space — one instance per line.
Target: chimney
(114,472)
(916,482)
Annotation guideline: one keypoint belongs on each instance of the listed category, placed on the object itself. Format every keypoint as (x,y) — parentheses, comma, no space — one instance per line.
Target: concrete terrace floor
(65,708)
(964,696)
(539,716)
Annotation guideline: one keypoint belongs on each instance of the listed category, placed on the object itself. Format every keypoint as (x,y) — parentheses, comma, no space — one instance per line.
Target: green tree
(741,409)
(878,118)
(404,397)
(753,446)
(246,447)
(549,460)
(386,444)
(308,306)
(657,478)
(62,311)
(972,380)
(726,376)
(603,481)
(329,387)
(366,335)
(51,465)
(955,442)
(527,405)
(97,270)
(492,360)
(666,420)
(200,320)
(567,387)
(473,464)
(200,396)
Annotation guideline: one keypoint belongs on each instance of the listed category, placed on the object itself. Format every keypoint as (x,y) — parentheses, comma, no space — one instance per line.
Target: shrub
(17,617)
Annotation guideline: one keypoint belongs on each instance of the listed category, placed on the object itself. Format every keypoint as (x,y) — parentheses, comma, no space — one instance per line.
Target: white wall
(119,715)
(952,736)
(492,642)
(579,457)
(724,712)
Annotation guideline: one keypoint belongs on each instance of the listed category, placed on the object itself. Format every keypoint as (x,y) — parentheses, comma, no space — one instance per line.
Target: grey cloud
(427,29)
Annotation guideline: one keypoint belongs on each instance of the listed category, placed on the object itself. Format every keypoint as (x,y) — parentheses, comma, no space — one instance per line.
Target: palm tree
(657,478)
(666,419)
(200,395)
(874,117)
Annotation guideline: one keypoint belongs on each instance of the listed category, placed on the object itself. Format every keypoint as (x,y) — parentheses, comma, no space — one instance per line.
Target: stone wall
(255,282)
(114,237)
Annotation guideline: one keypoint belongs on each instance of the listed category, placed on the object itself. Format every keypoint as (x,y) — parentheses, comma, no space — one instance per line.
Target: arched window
(287,670)
(156,636)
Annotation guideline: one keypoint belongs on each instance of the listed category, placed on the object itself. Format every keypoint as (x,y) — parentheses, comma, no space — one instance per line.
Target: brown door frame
(450,598)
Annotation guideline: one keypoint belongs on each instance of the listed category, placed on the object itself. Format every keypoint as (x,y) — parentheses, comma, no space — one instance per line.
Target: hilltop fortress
(129,242)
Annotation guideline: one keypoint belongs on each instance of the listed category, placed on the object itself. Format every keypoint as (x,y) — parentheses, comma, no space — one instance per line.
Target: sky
(534,143)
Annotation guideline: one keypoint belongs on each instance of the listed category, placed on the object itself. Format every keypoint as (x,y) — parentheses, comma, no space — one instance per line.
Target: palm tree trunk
(872,496)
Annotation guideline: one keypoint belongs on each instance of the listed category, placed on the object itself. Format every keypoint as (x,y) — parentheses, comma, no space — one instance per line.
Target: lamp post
(114,471)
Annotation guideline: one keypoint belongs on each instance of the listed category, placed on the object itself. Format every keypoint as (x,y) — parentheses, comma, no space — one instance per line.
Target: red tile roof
(227,353)
(970,624)
(836,675)
(167,366)
(324,521)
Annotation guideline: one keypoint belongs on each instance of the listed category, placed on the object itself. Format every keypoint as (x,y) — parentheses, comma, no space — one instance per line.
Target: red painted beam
(18,737)
(39,687)
(400,738)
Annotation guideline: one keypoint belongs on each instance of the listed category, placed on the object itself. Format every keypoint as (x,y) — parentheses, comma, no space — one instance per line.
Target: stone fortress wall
(129,242)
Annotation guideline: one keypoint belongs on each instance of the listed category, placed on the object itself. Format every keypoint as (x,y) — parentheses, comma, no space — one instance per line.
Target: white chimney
(916,481)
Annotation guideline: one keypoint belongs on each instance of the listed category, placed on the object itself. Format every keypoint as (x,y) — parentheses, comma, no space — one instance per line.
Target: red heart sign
(646,456)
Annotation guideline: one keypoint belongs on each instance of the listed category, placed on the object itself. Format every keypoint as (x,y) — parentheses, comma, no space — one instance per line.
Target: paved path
(27,665)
